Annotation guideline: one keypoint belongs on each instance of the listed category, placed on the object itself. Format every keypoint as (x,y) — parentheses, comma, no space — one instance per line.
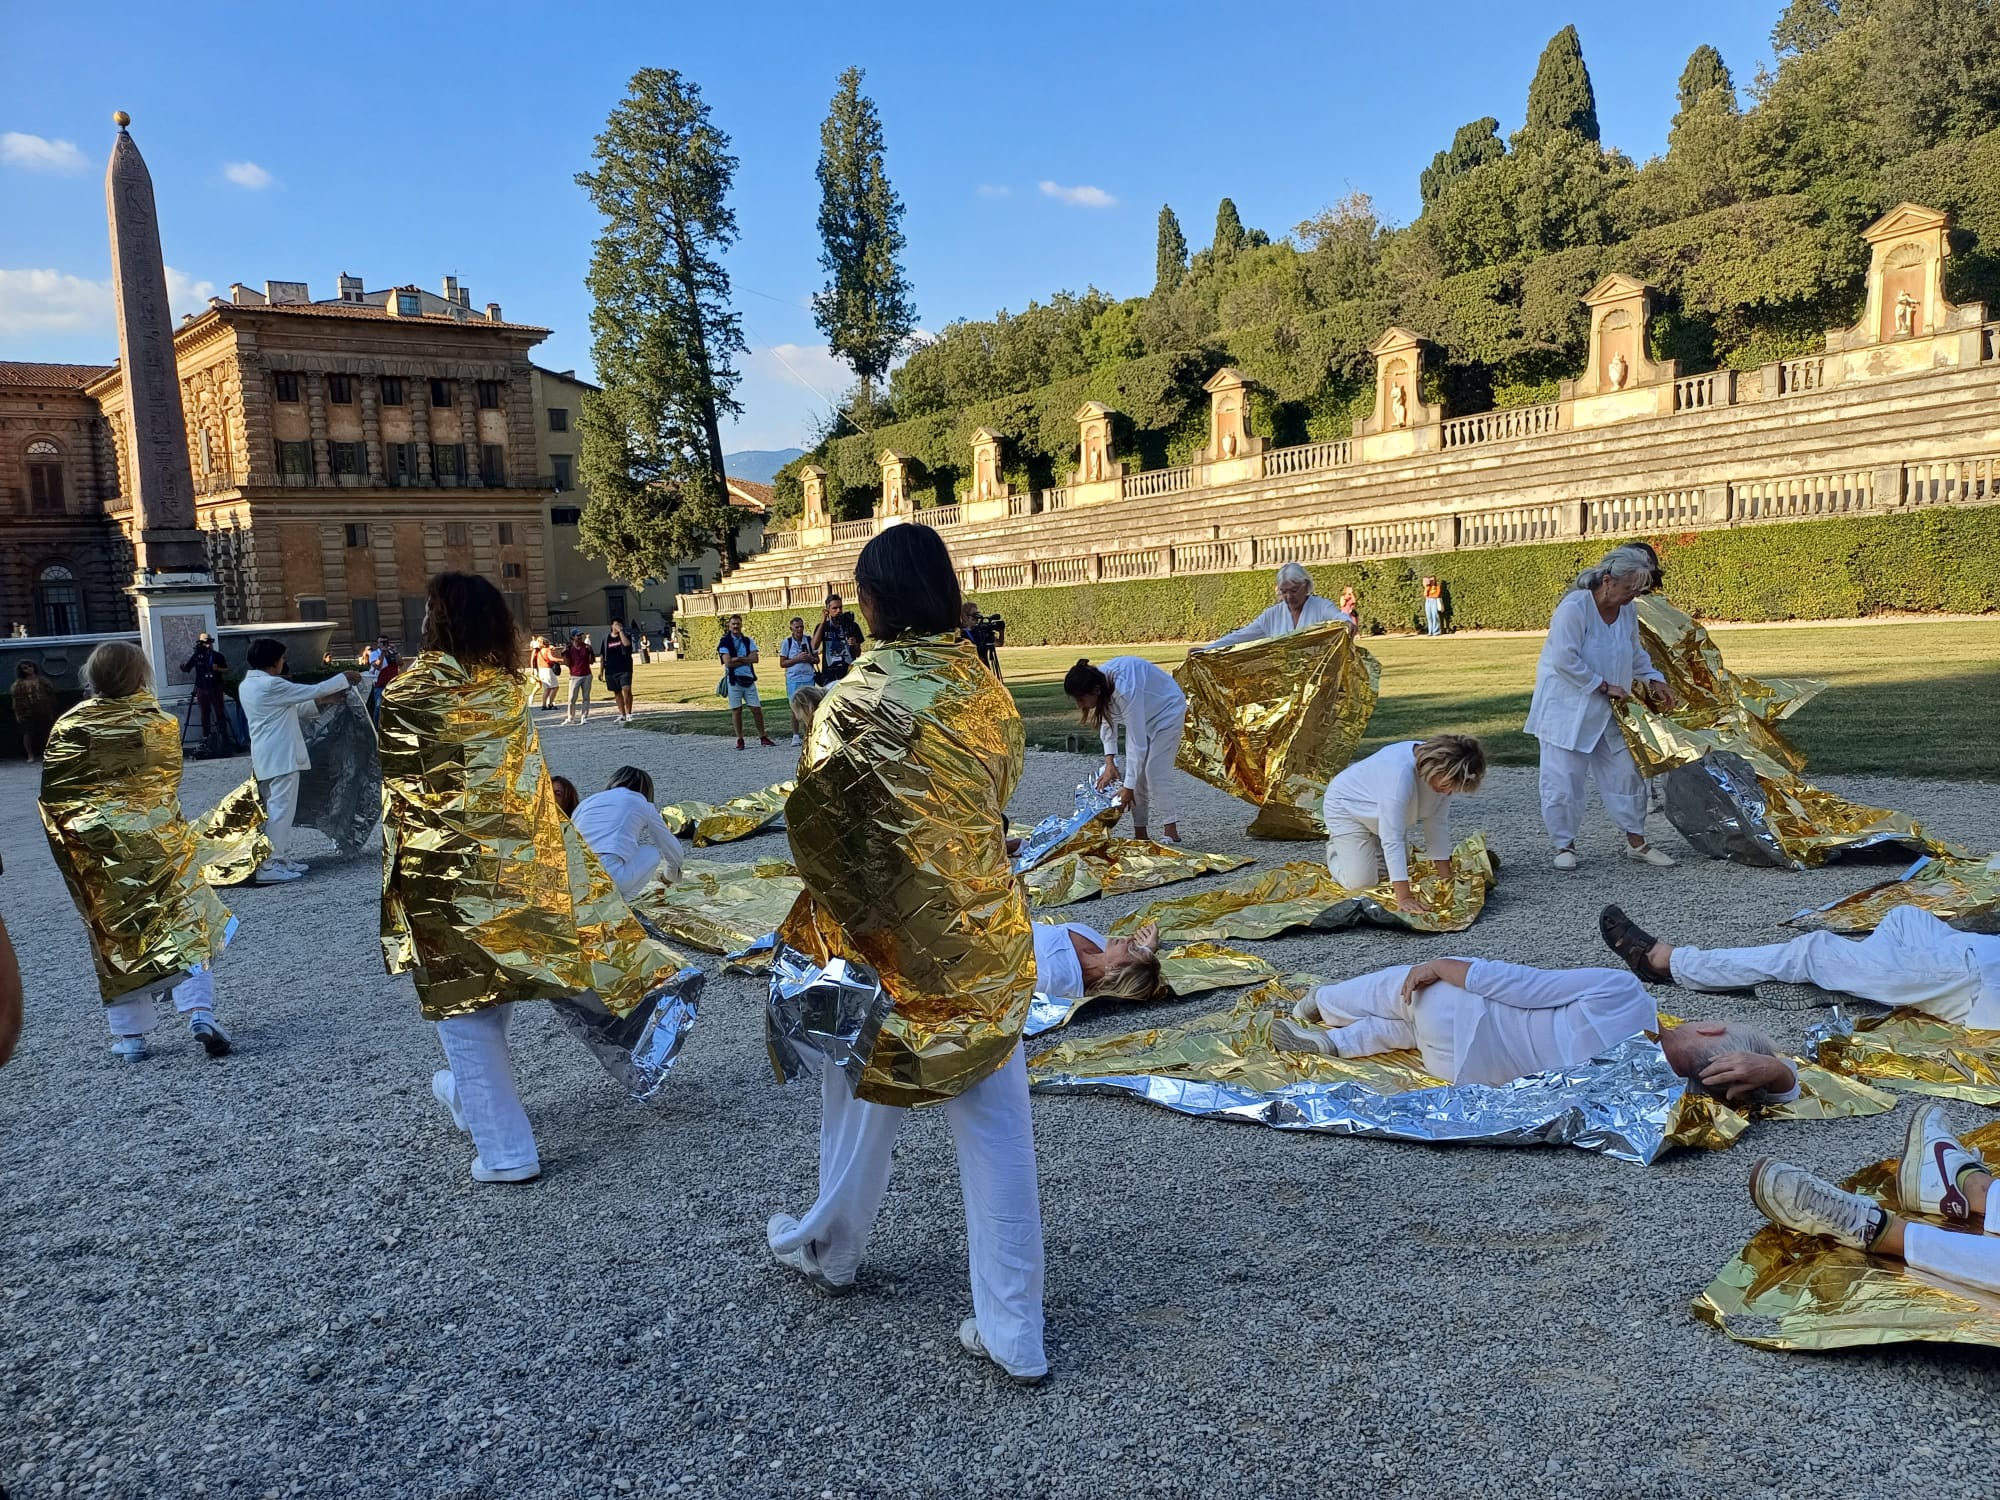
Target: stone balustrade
(1158,482)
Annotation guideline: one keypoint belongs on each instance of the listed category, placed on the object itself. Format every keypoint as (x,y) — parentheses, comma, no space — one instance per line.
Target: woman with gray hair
(1298,608)
(1592,659)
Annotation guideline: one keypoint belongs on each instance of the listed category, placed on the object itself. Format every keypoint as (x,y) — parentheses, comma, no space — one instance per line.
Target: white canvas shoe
(483,1173)
(968,1336)
(800,1258)
(1565,859)
(1646,854)
(1792,1198)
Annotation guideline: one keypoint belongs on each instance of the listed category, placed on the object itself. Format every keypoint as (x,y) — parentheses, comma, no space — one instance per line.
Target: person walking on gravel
(579,659)
(618,671)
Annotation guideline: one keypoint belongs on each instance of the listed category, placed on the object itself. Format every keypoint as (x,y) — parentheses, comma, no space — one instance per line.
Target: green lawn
(1902,699)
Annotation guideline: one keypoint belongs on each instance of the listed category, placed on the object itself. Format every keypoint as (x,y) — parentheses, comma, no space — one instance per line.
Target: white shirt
(617,822)
(1058,970)
(1278,620)
(273,708)
(1511,1020)
(1580,654)
(797,658)
(1385,795)
(1145,700)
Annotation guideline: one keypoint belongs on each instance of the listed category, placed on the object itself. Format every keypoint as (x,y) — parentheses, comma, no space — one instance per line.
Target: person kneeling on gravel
(627,834)
(1479,1020)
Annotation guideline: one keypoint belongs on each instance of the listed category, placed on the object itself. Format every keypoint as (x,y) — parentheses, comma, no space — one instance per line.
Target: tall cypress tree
(1705,72)
(1473,146)
(1170,258)
(662,334)
(865,310)
(1560,98)
(1229,234)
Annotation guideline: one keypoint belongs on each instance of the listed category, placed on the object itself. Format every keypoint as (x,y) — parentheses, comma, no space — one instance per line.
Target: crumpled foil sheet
(1793,1291)
(1911,1051)
(823,1014)
(1105,866)
(1094,814)
(724,822)
(231,838)
(1191,969)
(341,795)
(722,908)
(1626,1103)
(110,804)
(488,893)
(1264,903)
(1738,710)
(640,1048)
(1963,892)
(897,829)
(1273,721)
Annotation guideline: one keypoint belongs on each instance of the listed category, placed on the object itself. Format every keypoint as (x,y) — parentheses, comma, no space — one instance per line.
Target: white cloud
(1081,196)
(807,366)
(995,190)
(55,302)
(246,174)
(39,154)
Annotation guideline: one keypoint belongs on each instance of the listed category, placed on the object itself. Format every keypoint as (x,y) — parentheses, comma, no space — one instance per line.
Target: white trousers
(280,796)
(1565,774)
(994,1139)
(1973,1259)
(482,1074)
(1354,856)
(1154,803)
(1912,958)
(1368,1013)
(138,1014)
(580,685)
(631,875)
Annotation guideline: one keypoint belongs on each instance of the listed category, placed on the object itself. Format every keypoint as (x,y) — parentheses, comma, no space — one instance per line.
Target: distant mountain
(759,465)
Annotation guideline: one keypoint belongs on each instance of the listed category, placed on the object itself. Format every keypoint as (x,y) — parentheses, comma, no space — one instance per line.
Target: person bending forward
(1372,807)
(1131,692)
(627,834)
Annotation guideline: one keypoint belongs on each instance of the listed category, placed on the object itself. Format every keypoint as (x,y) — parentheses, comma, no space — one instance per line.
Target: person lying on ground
(1073,962)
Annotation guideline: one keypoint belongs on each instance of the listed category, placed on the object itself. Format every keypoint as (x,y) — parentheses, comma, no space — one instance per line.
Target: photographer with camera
(988,633)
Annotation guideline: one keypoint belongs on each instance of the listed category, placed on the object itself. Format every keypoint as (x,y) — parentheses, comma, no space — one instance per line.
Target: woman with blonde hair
(1075,962)
(1374,805)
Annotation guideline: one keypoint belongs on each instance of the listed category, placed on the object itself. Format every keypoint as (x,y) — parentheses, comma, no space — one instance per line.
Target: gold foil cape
(1738,710)
(1106,866)
(1792,1291)
(231,838)
(1191,969)
(1273,721)
(1909,1050)
(1264,903)
(721,908)
(488,893)
(1963,892)
(724,822)
(897,829)
(111,806)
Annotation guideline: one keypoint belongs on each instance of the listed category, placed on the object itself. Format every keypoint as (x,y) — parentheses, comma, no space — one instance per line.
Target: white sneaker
(1927,1177)
(483,1173)
(968,1335)
(1565,859)
(1792,1198)
(1288,1035)
(1646,854)
(273,873)
(444,1089)
(796,742)
(293,864)
(801,1258)
(129,1049)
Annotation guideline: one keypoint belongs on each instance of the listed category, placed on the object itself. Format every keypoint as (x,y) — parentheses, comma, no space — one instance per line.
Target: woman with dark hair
(897,828)
(1131,691)
(489,896)
(35,708)
(618,670)
(627,834)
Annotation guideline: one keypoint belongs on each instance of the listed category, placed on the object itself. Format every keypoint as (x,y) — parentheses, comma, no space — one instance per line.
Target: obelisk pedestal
(172,588)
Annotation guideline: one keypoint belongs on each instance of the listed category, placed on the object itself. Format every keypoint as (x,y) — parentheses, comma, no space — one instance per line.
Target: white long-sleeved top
(273,707)
(1145,700)
(1058,970)
(617,823)
(1278,620)
(1580,654)
(1385,795)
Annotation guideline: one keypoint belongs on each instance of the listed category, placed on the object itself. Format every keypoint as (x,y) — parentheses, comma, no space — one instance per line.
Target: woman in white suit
(1592,659)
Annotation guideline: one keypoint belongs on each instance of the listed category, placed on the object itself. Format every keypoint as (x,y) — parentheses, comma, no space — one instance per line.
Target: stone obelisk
(172,588)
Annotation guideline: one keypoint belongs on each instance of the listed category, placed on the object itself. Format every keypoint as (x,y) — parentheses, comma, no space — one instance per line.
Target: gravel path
(270,1275)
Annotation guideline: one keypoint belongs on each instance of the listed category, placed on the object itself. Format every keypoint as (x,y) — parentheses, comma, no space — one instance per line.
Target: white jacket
(1385,795)
(1277,620)
(1145,700)
(273,708)
(617,823)
(1581,653)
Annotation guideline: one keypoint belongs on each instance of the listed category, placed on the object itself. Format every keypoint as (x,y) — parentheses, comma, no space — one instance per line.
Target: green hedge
(1942,561)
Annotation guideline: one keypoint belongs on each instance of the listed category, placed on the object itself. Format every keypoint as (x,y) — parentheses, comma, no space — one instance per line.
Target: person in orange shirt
(1433,607)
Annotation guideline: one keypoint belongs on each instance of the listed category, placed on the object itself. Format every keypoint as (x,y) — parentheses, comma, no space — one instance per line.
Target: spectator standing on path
(618,671)
(35,708)
(1433,607)
(739,679)
(385,673)
(579,658)
(208,666)
(273,707)
(833,641)
(795,655)
(546,661)
(1350,605)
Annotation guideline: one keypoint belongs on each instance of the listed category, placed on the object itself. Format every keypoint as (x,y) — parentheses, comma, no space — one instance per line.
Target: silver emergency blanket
(820,1015)
(1048,837)
(1721,806)
(1625,1104)
(341,795)
(638,1050)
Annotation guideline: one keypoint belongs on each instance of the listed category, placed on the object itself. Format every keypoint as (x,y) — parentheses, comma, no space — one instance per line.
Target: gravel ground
(270,1275)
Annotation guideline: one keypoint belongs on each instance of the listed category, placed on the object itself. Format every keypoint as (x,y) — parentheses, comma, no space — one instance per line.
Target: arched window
(45,477)
(61,600)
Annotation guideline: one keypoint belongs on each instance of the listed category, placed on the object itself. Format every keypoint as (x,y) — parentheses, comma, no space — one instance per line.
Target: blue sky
(1033,143)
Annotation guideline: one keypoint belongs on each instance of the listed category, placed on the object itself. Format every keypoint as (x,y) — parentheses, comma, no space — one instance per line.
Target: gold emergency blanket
(1264,903)
(111,805)
(1273,721)
(1793,1291)
(897,828)
(1963,892)
(721,908)
(1909,1050)
(725,822)
(488,893)
(1740,710)
(1191,969)
(1107,866)
(231,838)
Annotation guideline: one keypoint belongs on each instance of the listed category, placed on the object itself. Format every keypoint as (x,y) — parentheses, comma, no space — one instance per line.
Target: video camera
(988,630)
